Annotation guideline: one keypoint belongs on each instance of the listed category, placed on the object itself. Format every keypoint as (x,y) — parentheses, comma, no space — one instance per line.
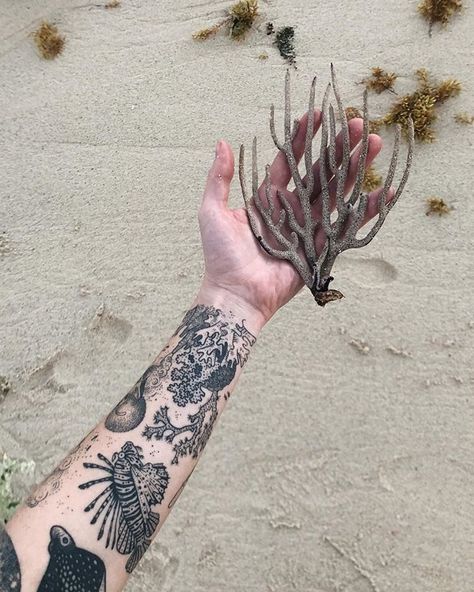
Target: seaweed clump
(372,180)
(239,20)
(48,41)
(285,42)
(436,205)
(464,118)
(113,4)
(420,105)
(439,11)
(380,80)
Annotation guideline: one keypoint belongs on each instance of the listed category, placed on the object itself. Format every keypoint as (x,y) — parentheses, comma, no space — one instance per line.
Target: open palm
(234,260)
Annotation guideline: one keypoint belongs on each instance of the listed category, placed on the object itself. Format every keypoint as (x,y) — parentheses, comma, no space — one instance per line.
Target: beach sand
(345,461)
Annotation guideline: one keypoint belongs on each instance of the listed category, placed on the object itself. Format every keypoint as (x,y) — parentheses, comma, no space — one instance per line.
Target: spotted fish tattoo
(10,576)
(123,509)
(71,568)
(211,350)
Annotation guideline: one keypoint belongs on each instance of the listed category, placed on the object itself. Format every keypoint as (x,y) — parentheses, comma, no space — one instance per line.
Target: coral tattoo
(211,350)
(71,568)
(125,504)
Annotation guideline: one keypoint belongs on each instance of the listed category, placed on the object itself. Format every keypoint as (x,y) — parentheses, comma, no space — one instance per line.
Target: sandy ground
(346,459)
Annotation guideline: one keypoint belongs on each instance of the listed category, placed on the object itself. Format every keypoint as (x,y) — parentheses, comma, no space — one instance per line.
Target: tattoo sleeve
(98,512)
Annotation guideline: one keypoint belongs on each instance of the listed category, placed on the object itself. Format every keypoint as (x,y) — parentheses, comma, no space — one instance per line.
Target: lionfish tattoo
(124,506)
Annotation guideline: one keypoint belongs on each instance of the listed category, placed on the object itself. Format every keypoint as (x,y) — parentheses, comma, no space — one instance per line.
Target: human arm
(169,414)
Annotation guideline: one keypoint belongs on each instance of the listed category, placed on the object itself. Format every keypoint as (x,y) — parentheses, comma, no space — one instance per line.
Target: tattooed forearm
(170,412)
(10,576)
(123,507)
(205,363)
(71,568)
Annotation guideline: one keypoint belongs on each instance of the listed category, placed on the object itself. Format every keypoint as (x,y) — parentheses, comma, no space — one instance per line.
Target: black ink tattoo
(199,428)
(53,482)
(71,568)
(210,350)
(124,505)
(129,413)
(10,576)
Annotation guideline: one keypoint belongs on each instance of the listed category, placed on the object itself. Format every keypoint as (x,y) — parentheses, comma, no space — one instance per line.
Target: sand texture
(345,462)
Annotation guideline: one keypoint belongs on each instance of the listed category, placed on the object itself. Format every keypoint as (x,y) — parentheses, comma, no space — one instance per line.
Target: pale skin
(246,287)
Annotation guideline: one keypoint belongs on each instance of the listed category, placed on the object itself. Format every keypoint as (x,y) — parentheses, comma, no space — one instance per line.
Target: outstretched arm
(88,524)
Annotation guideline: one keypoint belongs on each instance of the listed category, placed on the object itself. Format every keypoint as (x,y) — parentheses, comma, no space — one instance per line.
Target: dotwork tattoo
(71,568)
(129,413)
(10,575)
(211,350)
(53,482)
(124,505)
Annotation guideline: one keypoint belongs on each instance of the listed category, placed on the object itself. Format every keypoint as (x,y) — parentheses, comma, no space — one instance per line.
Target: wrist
(223,299)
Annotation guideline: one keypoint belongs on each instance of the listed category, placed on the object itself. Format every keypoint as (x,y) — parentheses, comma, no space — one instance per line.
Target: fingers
(375,146)
(216,193)
(355,135)
(372,209)
(280,174)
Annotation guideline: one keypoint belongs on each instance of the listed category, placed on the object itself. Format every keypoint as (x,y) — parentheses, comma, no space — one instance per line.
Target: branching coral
(48,41)
(239,20)
(439,11)
(420,105)
(380,80)
(293,240)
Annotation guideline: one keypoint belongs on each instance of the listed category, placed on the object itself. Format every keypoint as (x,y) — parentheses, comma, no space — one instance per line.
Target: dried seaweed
(48,41)
(439,11)
(464,118)
(285,42)
(380,80)
(436,205)
(420,105)
(239,20)
(372,179)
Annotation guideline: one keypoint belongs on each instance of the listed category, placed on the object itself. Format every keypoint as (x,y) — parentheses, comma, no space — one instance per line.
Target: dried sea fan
(295,242)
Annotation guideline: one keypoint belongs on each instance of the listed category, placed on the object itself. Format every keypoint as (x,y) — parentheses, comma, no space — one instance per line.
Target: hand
(235,263)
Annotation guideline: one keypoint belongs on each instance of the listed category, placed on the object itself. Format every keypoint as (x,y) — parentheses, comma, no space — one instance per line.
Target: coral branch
(297,219)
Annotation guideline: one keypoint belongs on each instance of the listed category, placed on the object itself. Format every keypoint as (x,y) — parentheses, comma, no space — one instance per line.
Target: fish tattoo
(10,576)
(124,506)
(71,568)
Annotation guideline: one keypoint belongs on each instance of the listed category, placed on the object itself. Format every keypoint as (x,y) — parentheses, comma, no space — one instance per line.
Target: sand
(345,459)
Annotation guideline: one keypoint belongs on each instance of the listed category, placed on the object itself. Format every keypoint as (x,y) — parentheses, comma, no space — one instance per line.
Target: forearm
(116,488)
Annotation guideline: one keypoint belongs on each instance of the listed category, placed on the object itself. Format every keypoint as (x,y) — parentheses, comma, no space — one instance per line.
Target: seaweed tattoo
(71,568)
(10,575)
(209,353)
(125,504)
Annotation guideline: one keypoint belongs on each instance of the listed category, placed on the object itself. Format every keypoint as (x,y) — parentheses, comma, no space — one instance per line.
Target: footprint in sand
(369,272)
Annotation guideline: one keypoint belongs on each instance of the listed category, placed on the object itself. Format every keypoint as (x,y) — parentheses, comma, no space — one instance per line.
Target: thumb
(220,176)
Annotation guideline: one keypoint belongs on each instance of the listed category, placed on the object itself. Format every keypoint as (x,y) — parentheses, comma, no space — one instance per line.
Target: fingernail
(218,149)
